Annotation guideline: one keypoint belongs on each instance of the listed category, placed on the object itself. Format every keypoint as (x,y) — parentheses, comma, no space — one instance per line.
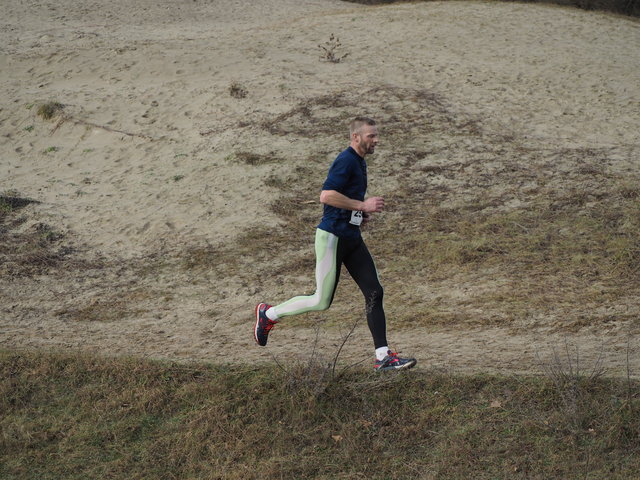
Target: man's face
(366,138)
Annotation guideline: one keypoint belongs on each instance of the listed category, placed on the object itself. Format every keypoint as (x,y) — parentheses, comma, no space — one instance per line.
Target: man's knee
(322,303)
(375,295)
(322,306)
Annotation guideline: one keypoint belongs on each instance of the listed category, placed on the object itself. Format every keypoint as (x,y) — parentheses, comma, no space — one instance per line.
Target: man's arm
(338,200)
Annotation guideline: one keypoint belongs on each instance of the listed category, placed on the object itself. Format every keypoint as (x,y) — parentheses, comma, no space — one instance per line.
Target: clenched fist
(373,205)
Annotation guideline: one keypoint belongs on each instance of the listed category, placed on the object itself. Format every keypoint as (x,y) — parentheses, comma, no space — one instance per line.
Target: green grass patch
(77,416)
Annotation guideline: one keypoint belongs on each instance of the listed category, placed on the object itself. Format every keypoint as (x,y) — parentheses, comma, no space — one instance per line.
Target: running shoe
(263,324)
(393,362)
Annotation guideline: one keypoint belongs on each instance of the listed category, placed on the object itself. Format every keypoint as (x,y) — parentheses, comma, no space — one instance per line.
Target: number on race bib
(356,218)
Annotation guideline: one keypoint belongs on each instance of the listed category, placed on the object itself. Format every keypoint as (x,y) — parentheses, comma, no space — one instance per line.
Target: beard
(367,148)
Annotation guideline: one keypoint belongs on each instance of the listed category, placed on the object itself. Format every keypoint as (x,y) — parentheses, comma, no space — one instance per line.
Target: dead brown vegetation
(533,231)
(627,7)
(27,249)
(549,220)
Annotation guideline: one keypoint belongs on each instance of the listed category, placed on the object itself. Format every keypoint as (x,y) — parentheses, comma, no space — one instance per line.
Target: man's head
(364,135)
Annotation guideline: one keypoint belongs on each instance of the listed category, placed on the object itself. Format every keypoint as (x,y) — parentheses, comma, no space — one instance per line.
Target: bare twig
(629,393)
(275,359)
(77,121)
(329,50)
(344,341)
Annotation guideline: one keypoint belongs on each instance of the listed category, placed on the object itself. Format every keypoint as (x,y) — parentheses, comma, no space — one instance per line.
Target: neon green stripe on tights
(326,247)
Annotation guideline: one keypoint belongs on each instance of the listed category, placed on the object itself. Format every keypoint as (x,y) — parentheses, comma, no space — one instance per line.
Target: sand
(139,168)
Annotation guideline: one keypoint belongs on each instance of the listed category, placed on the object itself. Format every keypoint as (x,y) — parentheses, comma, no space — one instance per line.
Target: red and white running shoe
(393,362)
(263,324)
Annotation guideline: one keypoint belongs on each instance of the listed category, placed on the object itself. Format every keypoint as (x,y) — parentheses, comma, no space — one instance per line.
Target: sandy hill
(176,186)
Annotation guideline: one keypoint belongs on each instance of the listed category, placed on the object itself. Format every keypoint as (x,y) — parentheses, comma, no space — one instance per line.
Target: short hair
(358,122)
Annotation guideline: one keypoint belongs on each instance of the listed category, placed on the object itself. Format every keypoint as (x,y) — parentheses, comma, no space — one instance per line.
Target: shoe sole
(255,327)
(406,366)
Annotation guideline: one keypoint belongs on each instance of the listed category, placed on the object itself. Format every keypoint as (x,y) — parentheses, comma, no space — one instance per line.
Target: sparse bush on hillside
(236,90)
(332,50)
(49,110)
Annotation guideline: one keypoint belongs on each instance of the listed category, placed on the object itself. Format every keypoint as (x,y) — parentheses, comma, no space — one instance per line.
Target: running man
(338,242)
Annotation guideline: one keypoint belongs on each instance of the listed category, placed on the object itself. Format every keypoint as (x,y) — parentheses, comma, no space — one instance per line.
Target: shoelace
(393,357)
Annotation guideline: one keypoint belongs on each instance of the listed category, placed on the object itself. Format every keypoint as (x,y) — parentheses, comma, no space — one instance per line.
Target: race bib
(356,218)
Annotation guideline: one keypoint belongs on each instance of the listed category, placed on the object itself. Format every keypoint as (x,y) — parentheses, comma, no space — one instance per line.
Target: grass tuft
(237,90)
(29,250)
(49,110)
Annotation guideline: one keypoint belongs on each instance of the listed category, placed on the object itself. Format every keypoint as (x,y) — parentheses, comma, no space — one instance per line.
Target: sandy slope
(142,166)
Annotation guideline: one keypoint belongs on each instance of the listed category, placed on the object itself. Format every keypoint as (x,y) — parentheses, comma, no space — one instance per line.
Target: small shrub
(236,90)
(331,50)
(574,383)
(48,110)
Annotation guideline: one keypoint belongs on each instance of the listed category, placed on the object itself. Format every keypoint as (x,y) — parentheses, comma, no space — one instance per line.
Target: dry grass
(73,416)
(109,308)
(332,51)
(250,158)
(543,224)
(31,250)
(49,110)
(533,232)
(237,90)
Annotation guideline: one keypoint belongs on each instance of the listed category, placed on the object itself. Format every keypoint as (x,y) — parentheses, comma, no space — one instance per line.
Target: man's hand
(373,205)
